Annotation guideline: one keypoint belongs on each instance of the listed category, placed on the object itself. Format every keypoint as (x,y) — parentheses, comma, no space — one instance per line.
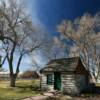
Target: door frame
(57,78)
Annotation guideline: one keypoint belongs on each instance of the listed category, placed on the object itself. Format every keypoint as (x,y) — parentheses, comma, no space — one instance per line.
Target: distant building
(67,75)
(4,75)
(29,74)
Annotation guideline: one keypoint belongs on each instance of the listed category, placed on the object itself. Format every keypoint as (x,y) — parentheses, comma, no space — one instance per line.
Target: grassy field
(97,84)
(23,89)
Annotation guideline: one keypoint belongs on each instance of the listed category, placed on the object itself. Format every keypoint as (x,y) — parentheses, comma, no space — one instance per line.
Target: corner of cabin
(80,69)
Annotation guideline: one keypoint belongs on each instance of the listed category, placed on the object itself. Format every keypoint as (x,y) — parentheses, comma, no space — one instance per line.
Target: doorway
(57,81)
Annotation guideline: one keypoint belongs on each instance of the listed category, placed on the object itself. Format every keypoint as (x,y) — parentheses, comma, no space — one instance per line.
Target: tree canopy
(18,35)
(84,31)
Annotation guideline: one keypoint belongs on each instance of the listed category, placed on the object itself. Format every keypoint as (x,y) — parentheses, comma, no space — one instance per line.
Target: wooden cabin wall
(73,84)
(44,85)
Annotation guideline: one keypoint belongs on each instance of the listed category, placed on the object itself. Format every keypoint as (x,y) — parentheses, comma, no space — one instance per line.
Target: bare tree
(57,49)
(85,33)
(18,34)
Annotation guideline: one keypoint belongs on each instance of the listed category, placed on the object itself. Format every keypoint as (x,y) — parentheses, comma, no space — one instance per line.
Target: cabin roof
(64,64)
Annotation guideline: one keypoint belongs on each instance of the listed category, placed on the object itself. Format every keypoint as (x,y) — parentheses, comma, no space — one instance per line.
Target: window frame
(49,79)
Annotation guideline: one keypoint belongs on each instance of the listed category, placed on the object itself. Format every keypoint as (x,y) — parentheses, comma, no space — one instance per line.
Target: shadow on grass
(6,98)
(31,85)
(34,88)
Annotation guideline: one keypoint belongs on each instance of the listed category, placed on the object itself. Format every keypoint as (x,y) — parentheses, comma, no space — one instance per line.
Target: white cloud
(74,51)
(32,9)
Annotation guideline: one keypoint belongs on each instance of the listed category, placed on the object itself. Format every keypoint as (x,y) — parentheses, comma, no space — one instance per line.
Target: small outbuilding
(67,75)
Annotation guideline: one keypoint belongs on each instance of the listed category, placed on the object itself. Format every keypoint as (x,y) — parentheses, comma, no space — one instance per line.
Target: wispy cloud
(32,9)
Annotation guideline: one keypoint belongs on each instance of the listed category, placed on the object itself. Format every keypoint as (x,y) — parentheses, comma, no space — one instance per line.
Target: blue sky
(51,12)
(48,13)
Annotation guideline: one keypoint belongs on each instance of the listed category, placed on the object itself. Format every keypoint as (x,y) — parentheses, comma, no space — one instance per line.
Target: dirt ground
(51,96)
(86,98)
(64,98)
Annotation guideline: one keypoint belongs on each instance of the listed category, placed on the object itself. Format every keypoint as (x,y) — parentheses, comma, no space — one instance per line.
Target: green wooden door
(57,81)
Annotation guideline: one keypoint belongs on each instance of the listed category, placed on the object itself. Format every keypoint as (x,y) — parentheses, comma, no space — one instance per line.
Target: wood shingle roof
(64,64)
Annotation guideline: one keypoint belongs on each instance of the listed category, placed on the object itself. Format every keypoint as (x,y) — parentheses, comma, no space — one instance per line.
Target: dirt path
(44,96)
(41,97)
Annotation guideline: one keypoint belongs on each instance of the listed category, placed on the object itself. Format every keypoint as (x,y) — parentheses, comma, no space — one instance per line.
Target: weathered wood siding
(44,85)
(72,84)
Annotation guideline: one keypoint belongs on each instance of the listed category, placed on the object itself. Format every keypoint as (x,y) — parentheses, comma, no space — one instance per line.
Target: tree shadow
(31,87)
(27,88)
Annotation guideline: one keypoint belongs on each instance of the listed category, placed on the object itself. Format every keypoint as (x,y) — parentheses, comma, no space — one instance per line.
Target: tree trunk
(12,81)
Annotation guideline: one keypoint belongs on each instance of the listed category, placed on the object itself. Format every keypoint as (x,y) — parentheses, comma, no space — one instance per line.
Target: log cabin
(67,75)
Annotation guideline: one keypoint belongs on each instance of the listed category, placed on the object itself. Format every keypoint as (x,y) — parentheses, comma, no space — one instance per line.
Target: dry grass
(23,89)
(97,84)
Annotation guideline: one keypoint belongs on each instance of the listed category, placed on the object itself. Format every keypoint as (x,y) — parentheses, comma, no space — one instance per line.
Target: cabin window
(49,79)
